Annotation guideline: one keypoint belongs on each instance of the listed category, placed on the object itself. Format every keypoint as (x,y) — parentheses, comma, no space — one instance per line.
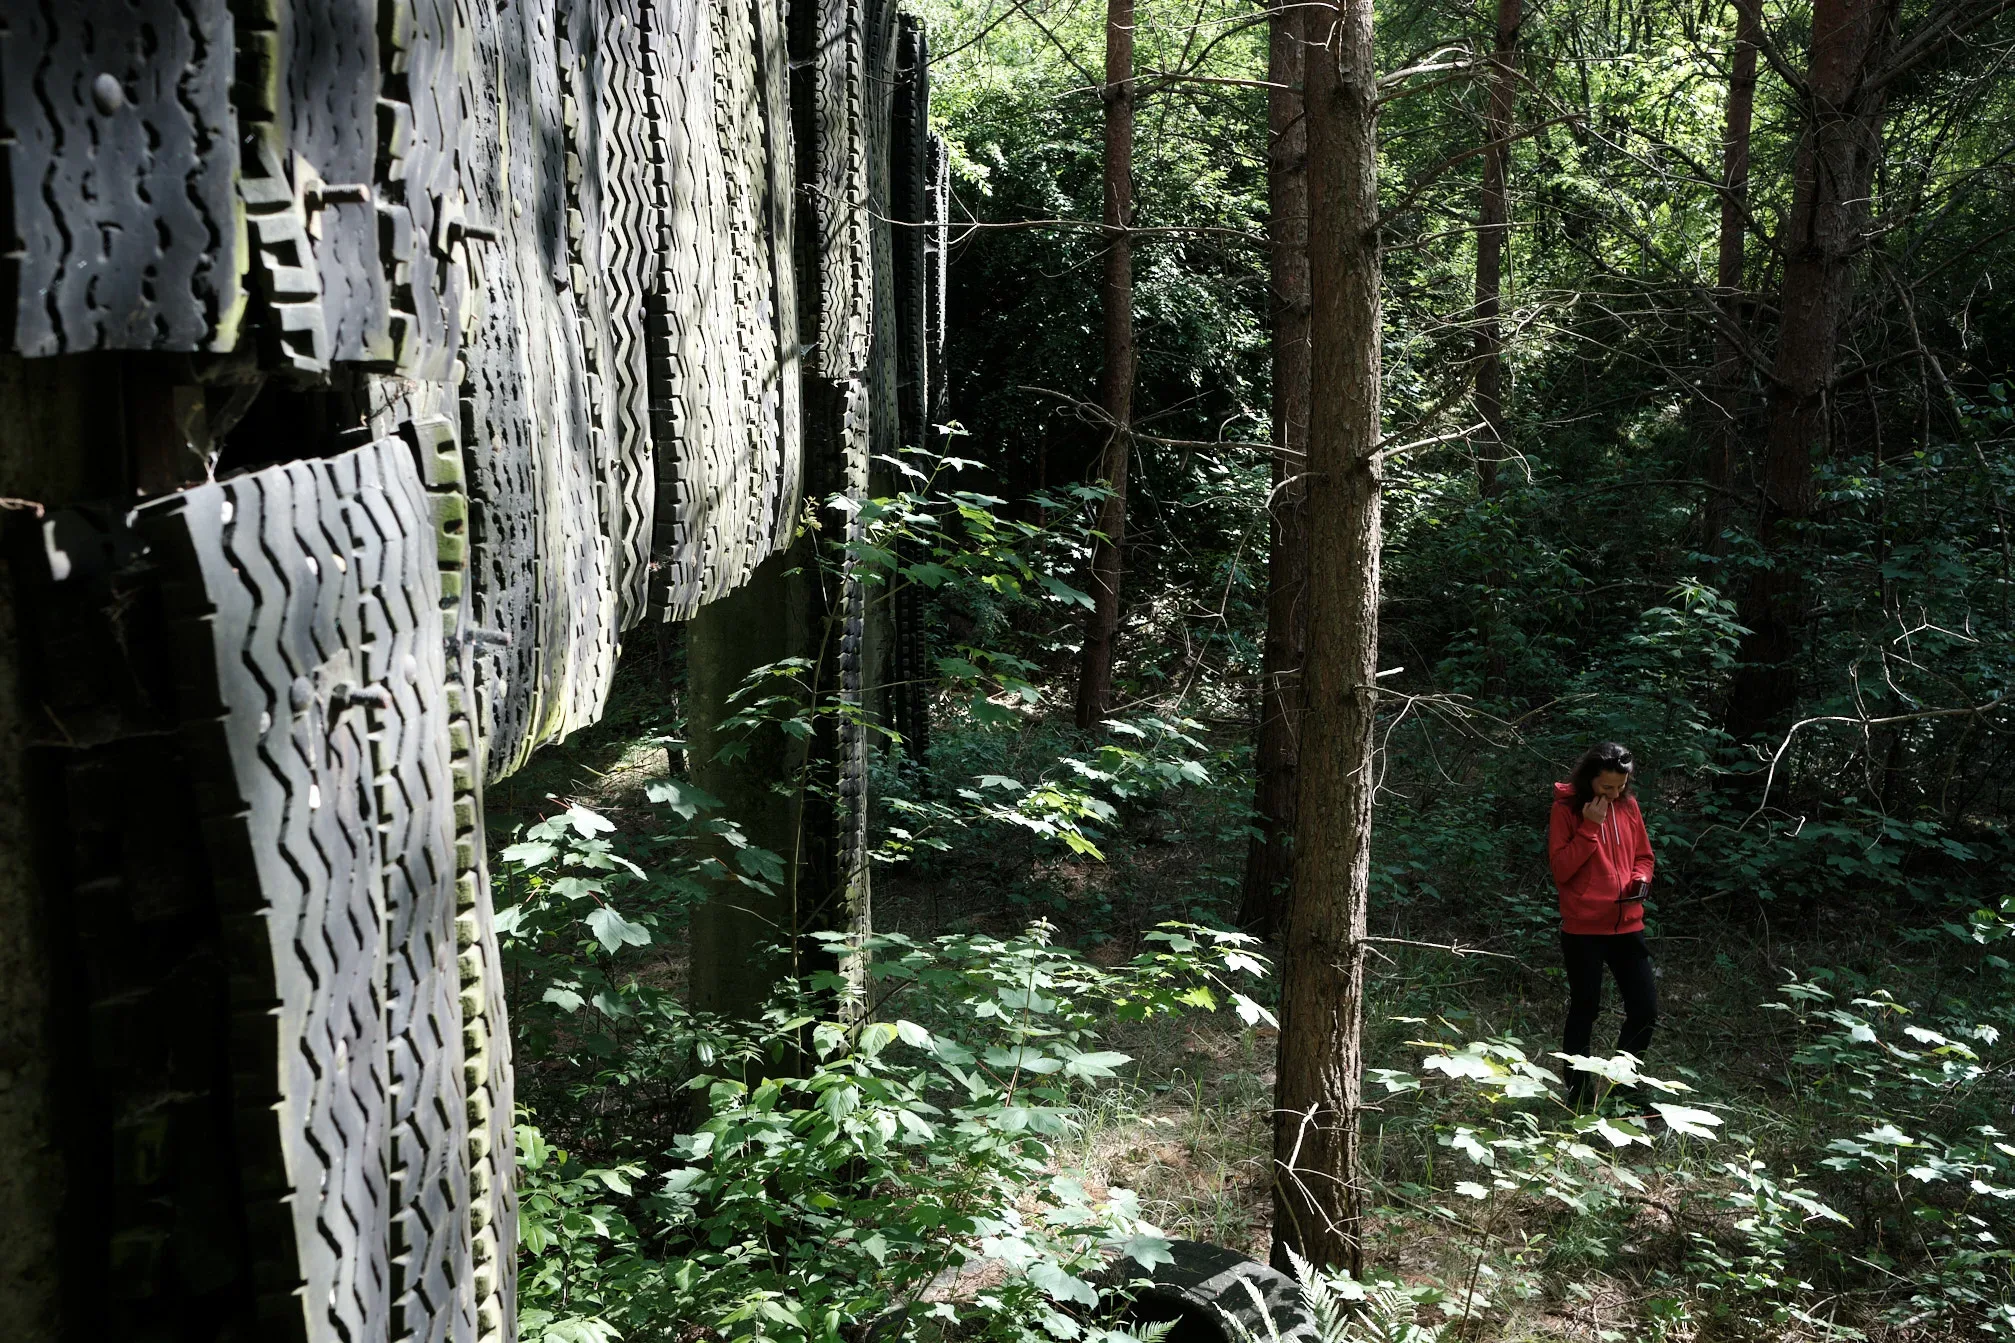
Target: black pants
(1629,959)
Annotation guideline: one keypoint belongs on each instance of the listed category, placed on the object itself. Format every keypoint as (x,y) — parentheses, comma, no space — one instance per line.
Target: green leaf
(1061,1287)
(1094,1065)
(614,931)
(684,799)
(531,853)
(1685,1119)
(840,1101)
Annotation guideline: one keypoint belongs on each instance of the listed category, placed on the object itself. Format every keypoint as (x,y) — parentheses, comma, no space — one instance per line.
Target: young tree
(1493,216)
(1317,1198)
(1262,905)
(1101,631)
(1725,447)
(1844,97)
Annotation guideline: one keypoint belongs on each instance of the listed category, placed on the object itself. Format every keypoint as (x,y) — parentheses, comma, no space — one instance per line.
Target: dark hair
(1608,758)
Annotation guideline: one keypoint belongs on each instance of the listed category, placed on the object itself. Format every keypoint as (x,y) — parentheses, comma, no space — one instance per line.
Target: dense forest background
(1584,561)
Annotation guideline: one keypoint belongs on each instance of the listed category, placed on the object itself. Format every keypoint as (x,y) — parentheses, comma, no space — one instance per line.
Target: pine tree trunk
(1493,216)
(1726,445)
(1835,168)
(1094,687)
(1317,1194)
(1263,904)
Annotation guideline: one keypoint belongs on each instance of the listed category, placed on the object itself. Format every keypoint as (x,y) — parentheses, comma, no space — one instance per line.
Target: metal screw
(367,696)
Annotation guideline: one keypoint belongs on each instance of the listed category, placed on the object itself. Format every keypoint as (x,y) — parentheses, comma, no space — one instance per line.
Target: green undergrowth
(1836,1164)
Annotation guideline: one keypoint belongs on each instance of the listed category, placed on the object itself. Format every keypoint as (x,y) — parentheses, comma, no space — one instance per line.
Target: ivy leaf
(1466,1064)
(1252,1013)
(684,799)
(1061,1286)
(531,853)
(1685,1119)
(565,999)
(1023,1057)
(683,1179)
(1620,1132)
(1395,1081)
(1094,1065)
(1466,1143)
(840,1101)
(1147,1248)
(1063,591)
(614,931)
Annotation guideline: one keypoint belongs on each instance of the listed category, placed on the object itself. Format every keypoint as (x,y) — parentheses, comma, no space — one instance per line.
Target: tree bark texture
(1317,1195)
(1824,233)
(1493,216)
(1725,446)
(1270,855)
(766,621)
(1094,690)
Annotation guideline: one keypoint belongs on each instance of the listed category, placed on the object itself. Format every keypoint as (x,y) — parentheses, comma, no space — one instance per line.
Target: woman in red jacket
(1601,860)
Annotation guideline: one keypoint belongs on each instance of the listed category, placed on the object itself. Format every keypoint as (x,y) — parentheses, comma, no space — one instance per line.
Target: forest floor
(1188,1129)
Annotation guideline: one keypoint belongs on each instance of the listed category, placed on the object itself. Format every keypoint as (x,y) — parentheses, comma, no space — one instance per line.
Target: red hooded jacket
(1592,864)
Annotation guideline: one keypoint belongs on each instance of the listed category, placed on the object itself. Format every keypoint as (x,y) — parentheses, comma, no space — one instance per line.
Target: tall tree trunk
(1317,1195)
(1725,447)
(1101,631)
(1263,906)
(1493,216)
(1835,167)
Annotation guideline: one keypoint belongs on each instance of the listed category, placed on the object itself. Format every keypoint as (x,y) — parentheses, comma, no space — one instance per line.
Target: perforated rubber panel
(418,198)
(937,256)
(721,329)
(910,191)
(846,52)
(304,604)
(422,421)
(309,76)
(576,245)
(629,263)
(541,486)
(118,162)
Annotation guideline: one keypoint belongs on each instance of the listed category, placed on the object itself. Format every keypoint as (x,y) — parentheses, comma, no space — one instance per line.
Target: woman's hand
(1597,810)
